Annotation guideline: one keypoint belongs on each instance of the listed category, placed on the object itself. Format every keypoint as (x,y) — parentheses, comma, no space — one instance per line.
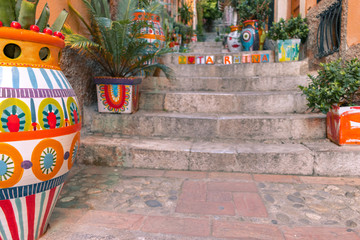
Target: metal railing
(329,31)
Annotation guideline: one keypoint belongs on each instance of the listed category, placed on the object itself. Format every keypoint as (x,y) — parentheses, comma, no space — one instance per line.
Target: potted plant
(335,92)
(288,36)
(122,53)
(40,119)
(185,12)
(253,15)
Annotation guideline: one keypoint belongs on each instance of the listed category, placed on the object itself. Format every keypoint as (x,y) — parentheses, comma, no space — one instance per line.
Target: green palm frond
(126,8)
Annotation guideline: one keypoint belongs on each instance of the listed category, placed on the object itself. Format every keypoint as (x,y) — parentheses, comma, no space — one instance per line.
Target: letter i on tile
(182,59)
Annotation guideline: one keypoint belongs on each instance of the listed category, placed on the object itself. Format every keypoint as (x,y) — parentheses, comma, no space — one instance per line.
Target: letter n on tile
(182,59)
(255,58)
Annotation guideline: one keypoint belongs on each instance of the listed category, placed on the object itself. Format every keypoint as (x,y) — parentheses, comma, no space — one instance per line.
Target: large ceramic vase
(117,95)
(154,32)
(250,35)
(39,131)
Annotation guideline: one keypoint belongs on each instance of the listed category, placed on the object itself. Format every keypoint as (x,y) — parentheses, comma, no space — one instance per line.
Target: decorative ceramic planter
(117,95)
(154,33)
(287,50)
(233,39)
(250,35)
(343,125)
(39,131)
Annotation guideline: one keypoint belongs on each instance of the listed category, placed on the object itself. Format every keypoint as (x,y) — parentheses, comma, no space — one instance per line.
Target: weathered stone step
(321,158)
(222,84)
(208,126)
(218,56)
(205,47)
(241,70)
(221,102)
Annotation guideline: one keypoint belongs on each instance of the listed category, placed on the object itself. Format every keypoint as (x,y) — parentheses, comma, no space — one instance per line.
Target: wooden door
(295,7)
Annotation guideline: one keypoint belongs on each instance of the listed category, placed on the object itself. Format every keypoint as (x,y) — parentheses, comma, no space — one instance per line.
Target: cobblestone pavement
(113,203)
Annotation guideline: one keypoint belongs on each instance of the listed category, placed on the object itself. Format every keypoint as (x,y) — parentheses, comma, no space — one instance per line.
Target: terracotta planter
(343,125)
(287,50)
(117,95)
(39,131)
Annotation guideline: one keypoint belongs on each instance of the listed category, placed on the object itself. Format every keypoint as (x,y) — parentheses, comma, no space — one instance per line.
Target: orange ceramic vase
(39,131)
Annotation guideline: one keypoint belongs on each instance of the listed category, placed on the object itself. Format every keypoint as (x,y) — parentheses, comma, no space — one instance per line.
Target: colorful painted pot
(39,131)
(287,50)
(233,40)
(154,33)
(343,125)
(117,95)
(250,36)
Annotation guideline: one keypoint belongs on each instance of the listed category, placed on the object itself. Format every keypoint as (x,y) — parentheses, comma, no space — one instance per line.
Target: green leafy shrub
(337,82)
(253,10)
(295,27)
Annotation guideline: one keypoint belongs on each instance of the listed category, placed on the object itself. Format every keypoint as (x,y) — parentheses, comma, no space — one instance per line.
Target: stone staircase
(241,117)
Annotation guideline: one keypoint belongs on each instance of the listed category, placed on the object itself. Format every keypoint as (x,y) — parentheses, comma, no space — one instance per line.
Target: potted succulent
(288,36)
(335,92)
(253,15)
(122,53)
(40,119)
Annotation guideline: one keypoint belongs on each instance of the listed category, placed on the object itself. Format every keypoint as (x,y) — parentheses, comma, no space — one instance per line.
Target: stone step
(218,55)
(221,102)
(320,158)
(225,84)
(207,125)
(241,70)
(205,44)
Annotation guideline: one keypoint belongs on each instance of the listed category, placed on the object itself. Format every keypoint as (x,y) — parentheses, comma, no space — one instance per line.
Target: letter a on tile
(191,59)
(209,60)
(200,60)
(182,59)
(265,57)
(227,59)
(255,58)
(237,59)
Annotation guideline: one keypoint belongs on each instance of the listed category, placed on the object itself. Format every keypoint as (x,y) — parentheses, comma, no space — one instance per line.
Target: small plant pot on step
(343,125)
(117,95)
(287,50)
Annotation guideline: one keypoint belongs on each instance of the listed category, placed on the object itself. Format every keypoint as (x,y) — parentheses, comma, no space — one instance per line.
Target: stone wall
(79,70)
(345,51)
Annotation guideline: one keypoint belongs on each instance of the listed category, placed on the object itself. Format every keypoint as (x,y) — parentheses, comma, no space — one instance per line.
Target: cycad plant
(116,44)
(21,14)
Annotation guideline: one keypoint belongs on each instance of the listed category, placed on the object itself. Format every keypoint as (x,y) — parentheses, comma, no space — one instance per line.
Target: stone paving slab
(140,204)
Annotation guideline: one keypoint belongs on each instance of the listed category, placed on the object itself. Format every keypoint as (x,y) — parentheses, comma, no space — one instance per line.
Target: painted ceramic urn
(234,40)
(250,36)
(39,131)
(153,33)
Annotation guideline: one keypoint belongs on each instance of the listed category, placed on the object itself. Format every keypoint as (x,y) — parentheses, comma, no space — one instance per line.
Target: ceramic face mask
(233,41)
